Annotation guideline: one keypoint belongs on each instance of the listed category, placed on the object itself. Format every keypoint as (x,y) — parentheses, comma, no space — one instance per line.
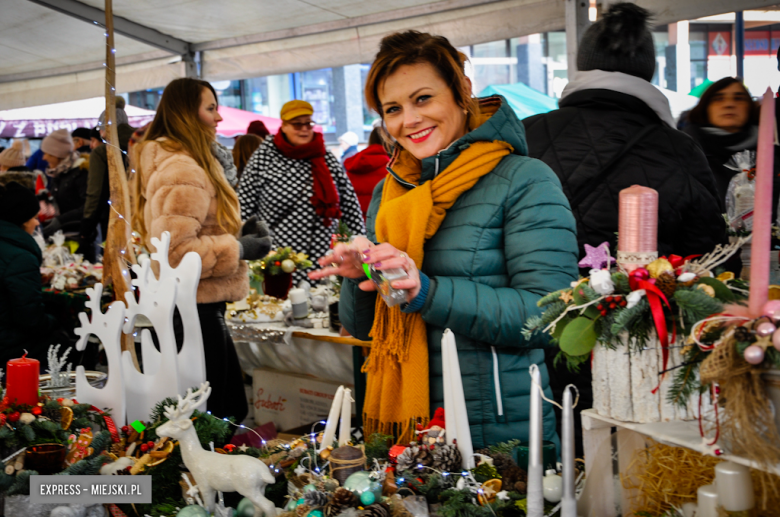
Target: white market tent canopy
(39,121)
(52,50)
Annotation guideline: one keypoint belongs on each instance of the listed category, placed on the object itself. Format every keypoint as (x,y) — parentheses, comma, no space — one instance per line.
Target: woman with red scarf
(298,187)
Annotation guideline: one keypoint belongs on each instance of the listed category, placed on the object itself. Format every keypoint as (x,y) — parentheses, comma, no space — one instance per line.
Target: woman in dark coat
(724,123)
(68,171)
(24,323)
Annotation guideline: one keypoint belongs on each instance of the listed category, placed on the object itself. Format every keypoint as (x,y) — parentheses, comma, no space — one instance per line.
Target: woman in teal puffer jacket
(498,235)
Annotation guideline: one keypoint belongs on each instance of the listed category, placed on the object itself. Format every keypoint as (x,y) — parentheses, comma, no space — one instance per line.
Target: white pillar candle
(735,487)
(535,498)
(707,501)
(569,500)
(451,433)
(333,420)
(346,417)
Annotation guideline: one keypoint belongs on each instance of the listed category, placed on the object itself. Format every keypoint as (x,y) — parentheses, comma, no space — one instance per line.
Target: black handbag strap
(607,169)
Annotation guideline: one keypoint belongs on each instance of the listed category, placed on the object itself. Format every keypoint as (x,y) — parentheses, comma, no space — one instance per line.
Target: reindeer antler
(187,405)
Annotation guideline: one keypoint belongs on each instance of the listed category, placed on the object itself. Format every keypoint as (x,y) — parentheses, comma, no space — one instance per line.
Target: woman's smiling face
(420,111)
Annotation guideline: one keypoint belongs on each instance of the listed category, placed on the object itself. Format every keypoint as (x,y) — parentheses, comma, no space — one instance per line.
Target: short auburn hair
(411,48)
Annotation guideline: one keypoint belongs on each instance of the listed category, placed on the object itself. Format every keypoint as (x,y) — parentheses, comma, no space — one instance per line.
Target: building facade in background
(687,55)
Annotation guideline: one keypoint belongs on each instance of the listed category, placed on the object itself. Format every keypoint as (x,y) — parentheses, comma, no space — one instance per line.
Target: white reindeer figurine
(212,471)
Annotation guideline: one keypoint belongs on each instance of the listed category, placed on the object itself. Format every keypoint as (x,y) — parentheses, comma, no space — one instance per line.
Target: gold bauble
(658,267)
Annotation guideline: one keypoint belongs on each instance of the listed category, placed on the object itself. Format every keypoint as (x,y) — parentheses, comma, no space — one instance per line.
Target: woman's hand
(385,256)
(344,260)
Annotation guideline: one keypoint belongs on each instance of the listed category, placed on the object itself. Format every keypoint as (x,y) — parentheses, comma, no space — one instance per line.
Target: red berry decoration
(37,411)
(2,419)
(604,312)
(718,452)
(13,417)
(126,429)
(623,303)
(277,263)
(612,305)
(608,299)
(229,447)
(150,444)
(600,307)
(144,447)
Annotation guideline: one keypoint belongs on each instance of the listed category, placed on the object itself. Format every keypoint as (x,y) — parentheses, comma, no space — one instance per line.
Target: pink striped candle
(762,211)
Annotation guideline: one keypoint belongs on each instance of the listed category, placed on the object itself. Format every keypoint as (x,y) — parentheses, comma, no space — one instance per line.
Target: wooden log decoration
(117,253)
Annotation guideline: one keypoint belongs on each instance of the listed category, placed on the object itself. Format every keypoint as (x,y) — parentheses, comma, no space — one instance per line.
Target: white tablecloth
(272,345)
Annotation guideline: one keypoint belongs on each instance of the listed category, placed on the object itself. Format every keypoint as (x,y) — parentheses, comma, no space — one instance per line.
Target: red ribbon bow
(637,281)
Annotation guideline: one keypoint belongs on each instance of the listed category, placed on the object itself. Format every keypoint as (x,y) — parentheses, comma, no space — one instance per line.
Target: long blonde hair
(177,120)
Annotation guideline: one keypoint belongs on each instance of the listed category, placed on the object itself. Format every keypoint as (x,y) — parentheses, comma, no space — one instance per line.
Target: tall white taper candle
(569,501)
(458,400)
(333,420)
(346,417)
(535,497)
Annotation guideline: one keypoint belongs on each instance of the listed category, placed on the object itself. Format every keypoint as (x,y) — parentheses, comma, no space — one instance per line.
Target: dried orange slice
(67,417)
(774,292)
(726,276)
(489,490)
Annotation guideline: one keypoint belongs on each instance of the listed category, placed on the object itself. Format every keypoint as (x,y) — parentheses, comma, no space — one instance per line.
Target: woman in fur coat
(181,188)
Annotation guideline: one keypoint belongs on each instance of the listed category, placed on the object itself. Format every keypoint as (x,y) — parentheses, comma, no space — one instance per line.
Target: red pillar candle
(21,385)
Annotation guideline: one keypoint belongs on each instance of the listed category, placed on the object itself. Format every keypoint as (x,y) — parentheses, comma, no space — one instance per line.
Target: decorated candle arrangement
(637,227)
(22,377)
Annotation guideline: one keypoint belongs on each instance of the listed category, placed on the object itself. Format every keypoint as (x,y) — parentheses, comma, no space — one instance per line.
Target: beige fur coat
(180,199)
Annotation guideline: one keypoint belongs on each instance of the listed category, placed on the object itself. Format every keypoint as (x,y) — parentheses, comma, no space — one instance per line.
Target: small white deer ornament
(212,471)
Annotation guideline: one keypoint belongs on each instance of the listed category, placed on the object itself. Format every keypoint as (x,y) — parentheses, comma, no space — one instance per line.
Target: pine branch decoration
(550,298)
(685,382)
(627,316)
(696,305)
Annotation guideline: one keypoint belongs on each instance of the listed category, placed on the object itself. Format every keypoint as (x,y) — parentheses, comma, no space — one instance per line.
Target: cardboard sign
(291,400)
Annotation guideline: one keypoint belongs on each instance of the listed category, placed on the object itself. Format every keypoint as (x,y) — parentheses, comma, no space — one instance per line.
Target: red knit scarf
(326,197)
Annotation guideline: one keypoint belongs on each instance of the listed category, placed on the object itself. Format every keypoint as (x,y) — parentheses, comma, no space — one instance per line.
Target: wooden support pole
(118,251)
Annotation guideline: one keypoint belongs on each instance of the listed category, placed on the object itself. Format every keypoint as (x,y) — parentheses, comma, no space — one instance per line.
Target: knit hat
(81,132)
(349,138)
(620,42)
(257,127)
(58,143)
(294,109)
(17,204)
(14,155)
(121,116)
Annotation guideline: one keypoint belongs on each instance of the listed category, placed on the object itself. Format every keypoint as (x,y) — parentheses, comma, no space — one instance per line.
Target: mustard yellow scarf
(397,393)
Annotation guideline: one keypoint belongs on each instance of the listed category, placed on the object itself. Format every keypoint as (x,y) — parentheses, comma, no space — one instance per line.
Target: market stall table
(321,353)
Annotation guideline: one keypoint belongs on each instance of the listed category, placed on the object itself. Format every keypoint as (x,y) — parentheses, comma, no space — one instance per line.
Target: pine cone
(447,458)
(316,499)
(423,457)
(341,500)
(502,462)
(302,510)
(667,283)
(406,460)
(520,487)
(53,414)
(513,474)
(376,510)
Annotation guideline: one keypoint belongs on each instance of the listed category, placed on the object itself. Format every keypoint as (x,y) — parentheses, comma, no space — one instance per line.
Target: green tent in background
(699,90)
(524,100)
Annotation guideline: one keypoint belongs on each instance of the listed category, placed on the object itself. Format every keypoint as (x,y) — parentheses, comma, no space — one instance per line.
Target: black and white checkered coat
(278,190)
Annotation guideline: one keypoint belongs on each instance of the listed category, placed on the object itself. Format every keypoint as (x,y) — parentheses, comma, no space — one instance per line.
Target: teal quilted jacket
(505,243)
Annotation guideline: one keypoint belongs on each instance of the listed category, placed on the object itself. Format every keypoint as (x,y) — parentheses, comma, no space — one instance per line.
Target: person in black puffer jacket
(609,103)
